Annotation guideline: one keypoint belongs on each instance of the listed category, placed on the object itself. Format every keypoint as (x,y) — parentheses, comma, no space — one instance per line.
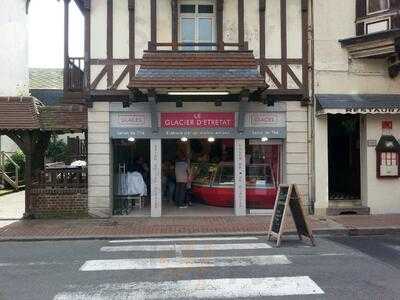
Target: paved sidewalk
(181,226)
(12,206)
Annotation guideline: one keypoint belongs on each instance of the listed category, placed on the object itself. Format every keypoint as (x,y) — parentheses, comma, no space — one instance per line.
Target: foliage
(19,158)
(57,150)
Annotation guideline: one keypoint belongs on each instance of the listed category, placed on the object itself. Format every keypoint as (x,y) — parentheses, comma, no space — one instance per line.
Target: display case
(213,184)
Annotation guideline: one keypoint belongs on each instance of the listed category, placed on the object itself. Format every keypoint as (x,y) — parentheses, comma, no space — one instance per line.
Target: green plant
(57,150)
(19,158)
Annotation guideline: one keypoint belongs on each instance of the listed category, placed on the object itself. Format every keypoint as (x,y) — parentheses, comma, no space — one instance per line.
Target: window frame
(197,16)
(378,11)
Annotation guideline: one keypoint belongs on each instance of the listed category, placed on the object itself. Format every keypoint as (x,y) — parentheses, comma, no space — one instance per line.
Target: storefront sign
(198,120)
(372,110)
(131,119)
(264,119)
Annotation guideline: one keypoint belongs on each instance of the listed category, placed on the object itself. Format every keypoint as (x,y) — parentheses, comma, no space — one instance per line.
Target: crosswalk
(211,253)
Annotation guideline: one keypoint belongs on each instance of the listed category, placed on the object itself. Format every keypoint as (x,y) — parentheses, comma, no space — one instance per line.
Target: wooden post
(66,45)
(174,7)
(220,25)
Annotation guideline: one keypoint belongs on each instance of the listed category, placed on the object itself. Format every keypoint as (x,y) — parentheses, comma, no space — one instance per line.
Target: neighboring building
(357,88)
(162,70)
(13,57)
(47,85)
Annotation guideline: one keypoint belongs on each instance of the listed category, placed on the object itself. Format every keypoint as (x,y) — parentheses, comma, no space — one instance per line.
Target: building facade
(159,73)
(357,100)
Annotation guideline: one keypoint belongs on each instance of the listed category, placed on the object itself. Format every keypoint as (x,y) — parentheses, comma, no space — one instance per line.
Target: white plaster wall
(99,157)
(120,29)
(98,27)
(294,28)
(382,195)
(142,27)
(164,22)
(231,21)
(335,72)
(252,26)
(273,29)
(13,48)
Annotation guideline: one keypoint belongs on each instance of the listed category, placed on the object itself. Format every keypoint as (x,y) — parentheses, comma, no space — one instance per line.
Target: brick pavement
(179,226)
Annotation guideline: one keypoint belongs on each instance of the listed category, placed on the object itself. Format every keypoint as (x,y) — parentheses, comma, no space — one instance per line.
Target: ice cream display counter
(213,184)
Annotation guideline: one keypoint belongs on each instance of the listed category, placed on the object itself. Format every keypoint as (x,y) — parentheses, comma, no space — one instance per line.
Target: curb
(321,232)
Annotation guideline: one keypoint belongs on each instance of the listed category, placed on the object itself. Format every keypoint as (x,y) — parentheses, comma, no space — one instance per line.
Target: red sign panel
(387,125)
(198,120)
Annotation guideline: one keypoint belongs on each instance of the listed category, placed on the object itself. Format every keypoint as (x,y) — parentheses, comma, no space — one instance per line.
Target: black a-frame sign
(288,197)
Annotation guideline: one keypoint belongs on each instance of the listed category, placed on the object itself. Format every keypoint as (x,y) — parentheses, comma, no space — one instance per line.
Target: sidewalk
(181,226)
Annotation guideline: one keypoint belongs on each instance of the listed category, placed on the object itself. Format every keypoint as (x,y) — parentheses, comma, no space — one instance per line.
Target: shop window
(374,6)
(197,25)
(227,175)
(259,176)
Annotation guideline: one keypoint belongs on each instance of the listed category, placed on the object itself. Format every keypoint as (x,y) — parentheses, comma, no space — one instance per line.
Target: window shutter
(361,8)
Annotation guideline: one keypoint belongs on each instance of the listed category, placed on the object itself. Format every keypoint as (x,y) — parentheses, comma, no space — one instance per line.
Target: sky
(46,33)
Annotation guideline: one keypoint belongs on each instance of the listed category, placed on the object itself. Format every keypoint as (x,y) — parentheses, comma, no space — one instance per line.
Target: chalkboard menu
(279,210)
(288,196)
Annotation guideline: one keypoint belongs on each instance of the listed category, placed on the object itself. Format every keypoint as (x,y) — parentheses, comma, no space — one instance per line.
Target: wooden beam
(153,25)
(66,44)
(110,69)
(220,25)
(99,77)
(261,6)
(305,48)
(284,44)
(131,7)
(86,13)
(174,8)
(241,24)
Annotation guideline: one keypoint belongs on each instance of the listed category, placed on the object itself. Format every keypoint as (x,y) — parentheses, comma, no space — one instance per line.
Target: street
(240,267)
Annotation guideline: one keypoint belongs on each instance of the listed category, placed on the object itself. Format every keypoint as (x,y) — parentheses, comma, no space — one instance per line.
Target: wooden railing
(75,73)
(201,46)
(12,178)
(61,178)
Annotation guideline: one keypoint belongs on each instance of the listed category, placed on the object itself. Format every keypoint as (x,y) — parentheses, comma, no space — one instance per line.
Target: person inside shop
(170,180)
(143,169)
(182,180)
(135,184)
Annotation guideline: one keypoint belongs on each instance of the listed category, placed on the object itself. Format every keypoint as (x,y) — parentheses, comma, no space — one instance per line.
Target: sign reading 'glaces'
(198,120)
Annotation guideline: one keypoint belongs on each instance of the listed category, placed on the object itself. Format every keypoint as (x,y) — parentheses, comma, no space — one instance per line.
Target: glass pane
(187,9)
(205,30)
(188,32)
(206,9)
(377,5)
(227,175)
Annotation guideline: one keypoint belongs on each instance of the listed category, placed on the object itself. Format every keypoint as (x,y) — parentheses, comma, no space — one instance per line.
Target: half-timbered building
(160,76)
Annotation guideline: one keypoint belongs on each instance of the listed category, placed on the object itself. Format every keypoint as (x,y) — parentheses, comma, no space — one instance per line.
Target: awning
(186,70)
(357,104)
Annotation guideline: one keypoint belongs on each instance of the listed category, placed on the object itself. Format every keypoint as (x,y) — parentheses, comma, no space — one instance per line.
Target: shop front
(357,154)
(235,156)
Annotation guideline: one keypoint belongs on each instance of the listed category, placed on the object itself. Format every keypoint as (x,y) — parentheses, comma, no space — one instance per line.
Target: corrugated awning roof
(198,70)
(358,104)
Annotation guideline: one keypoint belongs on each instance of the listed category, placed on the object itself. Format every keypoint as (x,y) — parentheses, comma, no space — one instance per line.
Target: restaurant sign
(198,120)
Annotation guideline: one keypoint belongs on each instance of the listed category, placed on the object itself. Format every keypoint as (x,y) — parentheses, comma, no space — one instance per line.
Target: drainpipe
(311,111)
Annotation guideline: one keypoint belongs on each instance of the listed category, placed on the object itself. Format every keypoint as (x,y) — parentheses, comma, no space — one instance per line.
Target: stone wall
(59,202)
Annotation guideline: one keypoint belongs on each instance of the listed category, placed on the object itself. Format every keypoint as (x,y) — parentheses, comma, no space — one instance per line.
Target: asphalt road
(232,267)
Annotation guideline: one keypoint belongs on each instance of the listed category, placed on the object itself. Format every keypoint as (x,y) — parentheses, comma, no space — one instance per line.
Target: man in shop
(182,179)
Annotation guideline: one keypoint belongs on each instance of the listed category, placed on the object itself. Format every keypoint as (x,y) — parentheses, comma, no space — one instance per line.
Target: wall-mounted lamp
(131,139)
(184,139)
(211,140)
(179,103)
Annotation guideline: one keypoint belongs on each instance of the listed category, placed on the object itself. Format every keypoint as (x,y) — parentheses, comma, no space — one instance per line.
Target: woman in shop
(182,180)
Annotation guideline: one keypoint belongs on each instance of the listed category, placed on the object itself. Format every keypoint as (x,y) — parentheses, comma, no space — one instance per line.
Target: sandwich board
(288,198)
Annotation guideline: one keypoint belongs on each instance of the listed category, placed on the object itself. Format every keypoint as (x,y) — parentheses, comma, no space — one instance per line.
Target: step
(336,211)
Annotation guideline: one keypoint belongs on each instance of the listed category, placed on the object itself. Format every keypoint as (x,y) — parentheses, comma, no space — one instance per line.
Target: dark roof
(393,33)
(19,113)
(48,97)
(28,113)
(63,118)
(191,69)
(340,101)
(46,79)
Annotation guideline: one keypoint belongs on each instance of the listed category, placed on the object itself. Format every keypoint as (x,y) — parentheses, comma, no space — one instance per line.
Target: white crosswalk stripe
(194,239)
(201,288)
(186,247)
(175,288)
(183,262)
